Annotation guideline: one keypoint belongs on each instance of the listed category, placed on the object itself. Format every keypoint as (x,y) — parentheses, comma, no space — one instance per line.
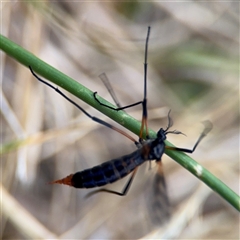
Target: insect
(148,150)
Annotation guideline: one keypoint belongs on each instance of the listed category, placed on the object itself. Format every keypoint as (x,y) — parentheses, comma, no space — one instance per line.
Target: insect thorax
(157,150)
(156,146)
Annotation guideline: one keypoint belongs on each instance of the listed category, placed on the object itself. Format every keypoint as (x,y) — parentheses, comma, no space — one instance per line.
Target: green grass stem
(46,71)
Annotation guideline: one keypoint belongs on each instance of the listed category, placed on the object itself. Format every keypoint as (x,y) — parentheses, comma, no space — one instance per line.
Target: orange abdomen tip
(66,181)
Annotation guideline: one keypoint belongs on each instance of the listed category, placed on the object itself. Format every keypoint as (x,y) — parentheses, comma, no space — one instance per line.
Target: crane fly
(147,150)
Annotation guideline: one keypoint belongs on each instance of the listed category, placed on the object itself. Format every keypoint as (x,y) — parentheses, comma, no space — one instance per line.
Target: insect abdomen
(105,173)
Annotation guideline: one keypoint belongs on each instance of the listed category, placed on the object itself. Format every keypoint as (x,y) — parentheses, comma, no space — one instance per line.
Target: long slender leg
(81,109)
(116,109)
(144,102)
(107,84)
(144,121)
(207,128)
(122,193)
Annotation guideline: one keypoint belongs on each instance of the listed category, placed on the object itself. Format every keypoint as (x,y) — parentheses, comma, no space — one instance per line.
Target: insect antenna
(170,121)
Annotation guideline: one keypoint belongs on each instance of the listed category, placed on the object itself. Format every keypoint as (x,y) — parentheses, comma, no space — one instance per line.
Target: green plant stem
(60,79)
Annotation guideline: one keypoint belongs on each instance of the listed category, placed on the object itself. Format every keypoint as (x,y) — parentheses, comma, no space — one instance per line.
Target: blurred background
(193,69)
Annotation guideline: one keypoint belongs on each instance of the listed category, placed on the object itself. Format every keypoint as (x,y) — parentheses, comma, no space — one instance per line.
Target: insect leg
(81,109)
(116,109)
(144,102)
(107,84)
(207,128)
(124,191)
